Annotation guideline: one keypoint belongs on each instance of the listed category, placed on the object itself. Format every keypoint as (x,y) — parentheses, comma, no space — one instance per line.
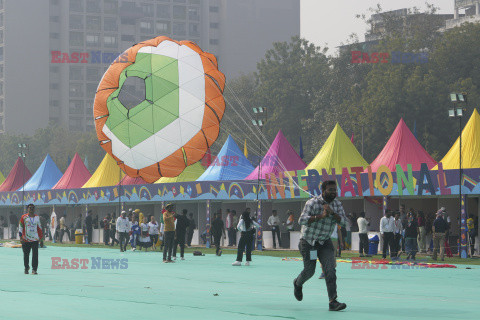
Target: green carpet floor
(209,288)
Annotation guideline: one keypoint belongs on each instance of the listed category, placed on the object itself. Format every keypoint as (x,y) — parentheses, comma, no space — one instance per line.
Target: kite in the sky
(159,110)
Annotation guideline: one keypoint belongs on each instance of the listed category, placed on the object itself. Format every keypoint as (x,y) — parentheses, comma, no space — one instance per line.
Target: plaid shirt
(321,230)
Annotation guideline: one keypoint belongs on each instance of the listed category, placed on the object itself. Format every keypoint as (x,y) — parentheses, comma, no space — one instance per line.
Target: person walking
(135,231)
(180,233)
(89,226)
(106,229)
(63,229)
(218,229)
(190,229)
(154,232)
(274,223)
(319,217)
(411,233)
(169,232)
(246,226)
(397,235)
(113,230)
(422,234)
(123,229)
(439,230)
(30,232)
(229,224)
(363,235)
(387,226)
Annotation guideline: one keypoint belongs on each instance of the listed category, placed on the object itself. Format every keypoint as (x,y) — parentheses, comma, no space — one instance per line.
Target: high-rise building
(53,53)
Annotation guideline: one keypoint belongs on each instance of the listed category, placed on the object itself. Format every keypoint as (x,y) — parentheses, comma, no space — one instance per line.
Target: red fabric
(402,148)
(127,180)
(75,176)
(17,177)
(280,157)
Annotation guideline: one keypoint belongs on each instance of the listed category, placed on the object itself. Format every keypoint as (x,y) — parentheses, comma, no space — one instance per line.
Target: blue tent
(229,164)
(46,176)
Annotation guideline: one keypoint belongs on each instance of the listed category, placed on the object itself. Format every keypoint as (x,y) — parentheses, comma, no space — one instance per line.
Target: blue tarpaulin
(229,164)
(46,176)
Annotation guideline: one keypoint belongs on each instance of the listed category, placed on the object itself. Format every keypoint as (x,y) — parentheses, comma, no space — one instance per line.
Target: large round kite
(158,107)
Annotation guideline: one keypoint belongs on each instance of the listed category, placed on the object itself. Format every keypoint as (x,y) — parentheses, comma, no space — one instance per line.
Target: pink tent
(17,176)
(402,148)
(280,157)
(127,180)
(75,176)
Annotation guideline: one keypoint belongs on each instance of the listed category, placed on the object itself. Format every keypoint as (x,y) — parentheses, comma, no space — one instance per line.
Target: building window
(94,23)
(1,36)
(76,107)
(193,29)
(179,29)
(214,41)
(1,88)
(1,71)
(75,124)
(179,1)
(76,5)
(54,35)
(54,69)
(128,37)
(110,24)
(1,106)
(76,90)
(194,1)
(179,12)
(76,73)
(93,6)
(92,74)
(163,27)
(91,89)
(54,19)
(194,14)
(110,6)
(110,41)
(1,18)
(148,10)
(1,53)
(213,9)
(52,2)
(214,25)
(146,27)
(76,39)
(54,86)
(76,22)
(163,11)
(54,103)
(93,40)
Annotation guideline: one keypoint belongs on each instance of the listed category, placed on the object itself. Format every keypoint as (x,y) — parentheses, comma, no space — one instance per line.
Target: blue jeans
(411,247)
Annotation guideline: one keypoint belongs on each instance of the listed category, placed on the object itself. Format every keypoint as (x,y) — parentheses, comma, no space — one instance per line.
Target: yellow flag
(245,151)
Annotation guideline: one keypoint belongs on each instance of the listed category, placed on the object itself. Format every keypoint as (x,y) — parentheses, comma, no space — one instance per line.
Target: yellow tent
(107,174)
(470,146)
(191,173)
(337,152)
(2,178)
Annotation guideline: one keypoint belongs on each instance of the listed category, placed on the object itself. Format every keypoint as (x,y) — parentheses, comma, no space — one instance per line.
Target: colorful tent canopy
(127,180)
(229,164)
(470,146)
(75,176)
(280,157)
(402,148)
(16,177)
(107,174)
(191,173)
(46,176)
(337,152)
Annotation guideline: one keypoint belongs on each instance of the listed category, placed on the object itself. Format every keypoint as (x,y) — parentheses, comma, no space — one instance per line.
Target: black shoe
(34,272)
(336,306)
(297,291)
(26,271)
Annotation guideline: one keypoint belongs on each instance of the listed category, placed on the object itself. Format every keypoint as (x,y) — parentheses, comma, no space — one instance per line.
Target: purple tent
(280,157)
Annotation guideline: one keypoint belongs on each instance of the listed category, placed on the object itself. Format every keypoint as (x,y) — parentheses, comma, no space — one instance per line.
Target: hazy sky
(332,21)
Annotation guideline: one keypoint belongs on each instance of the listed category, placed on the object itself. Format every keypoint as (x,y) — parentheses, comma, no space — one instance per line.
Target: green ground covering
(208,287)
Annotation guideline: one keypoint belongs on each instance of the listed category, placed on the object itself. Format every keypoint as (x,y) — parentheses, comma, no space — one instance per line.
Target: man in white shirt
(363,234)
(387,226)
(123,229)
(30,232)
(274,223)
